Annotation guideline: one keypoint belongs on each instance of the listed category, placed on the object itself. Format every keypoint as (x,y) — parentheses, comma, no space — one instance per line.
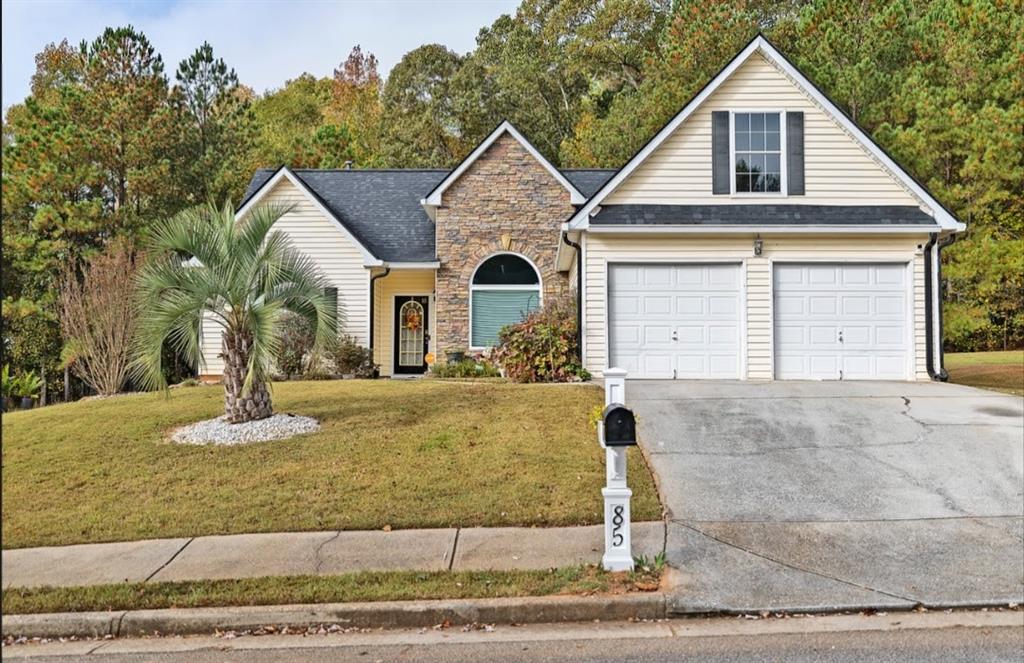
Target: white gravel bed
(219,431)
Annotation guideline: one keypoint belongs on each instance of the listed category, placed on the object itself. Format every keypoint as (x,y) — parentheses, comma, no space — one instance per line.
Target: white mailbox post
(618,552)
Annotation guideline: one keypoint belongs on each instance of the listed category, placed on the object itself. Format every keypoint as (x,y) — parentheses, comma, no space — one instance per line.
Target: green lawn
(391,453)
(390,586)
(1001,371)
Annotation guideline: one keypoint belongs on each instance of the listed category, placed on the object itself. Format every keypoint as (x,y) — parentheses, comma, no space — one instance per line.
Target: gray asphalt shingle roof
(381,208)
(763,215)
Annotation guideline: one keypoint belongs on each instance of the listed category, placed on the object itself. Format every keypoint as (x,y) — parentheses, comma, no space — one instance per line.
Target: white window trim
(538,288)
(782,192)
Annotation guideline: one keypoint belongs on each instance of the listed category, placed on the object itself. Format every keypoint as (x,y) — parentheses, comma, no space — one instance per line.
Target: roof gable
(899,183)
(433,199)
(285,174)
(379,209)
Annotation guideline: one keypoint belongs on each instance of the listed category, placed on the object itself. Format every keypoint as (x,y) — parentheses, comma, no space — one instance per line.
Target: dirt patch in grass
(354,587)
(1000,371)
(404,454)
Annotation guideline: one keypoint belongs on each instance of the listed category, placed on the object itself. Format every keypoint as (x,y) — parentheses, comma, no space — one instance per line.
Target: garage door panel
(657,277)
(724,366)
(822,305)
(890,306)
(655,365)
(690,305)
(856,305)
(723,276)
(675,320)
(889,336)
(840,321)
(657,306)
(818,275)
(657,335)
(793,305)
(719,305)
(723,335)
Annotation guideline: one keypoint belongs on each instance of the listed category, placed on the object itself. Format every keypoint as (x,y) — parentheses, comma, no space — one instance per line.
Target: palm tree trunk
(240,407)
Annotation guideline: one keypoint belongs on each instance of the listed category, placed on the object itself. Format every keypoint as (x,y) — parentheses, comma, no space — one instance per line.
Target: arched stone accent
(505,201)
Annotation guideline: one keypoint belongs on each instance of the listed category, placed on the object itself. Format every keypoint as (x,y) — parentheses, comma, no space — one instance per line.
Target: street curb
(382,614)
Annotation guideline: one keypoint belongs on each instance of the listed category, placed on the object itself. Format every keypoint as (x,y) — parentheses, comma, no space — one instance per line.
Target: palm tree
(204,263)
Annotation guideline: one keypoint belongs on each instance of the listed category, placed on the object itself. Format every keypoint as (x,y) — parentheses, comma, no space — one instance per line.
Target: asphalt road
(977,637)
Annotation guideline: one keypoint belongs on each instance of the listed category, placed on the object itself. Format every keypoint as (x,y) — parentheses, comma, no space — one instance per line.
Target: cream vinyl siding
(602,249)
(211,336)
(337,256)
(837,170)
(398,282)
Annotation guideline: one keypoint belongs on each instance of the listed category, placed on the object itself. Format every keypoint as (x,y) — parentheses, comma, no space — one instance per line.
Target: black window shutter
(720,167)
(795,153)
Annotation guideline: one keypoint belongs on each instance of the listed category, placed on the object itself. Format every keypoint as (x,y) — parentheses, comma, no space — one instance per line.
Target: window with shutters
(757,152)
(504,289)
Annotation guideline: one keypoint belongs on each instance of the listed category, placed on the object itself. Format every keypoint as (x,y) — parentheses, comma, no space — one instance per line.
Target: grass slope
(391,586)
(399,453)
(1001,371)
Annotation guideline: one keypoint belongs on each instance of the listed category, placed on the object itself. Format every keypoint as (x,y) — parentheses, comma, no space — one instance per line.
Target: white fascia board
(434,199)
(435,264)
(667,229)
(945,220)
(369,260)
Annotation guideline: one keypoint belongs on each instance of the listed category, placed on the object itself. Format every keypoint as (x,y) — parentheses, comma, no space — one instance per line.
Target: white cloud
(266,41)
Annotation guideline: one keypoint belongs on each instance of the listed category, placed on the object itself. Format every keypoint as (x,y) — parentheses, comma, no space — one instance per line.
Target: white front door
(675,320)
(841,321)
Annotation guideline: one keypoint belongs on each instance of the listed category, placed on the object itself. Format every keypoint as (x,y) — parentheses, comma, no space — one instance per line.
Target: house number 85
(617,519)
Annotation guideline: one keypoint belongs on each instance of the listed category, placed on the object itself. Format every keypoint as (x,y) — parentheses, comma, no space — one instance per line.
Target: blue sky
(266,41)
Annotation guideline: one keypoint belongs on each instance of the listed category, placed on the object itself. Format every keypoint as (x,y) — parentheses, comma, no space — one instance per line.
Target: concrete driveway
(829,495)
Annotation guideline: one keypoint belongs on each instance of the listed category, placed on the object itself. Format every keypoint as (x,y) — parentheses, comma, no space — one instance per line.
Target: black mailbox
(619,426)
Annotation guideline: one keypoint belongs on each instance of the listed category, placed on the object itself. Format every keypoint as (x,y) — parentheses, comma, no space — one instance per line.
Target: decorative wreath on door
(413,320)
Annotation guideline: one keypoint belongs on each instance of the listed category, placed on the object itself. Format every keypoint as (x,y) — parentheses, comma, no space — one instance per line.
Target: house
(759,235)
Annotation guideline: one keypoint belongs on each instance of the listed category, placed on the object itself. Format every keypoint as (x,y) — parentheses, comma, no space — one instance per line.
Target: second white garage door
(675,321)
(841,321)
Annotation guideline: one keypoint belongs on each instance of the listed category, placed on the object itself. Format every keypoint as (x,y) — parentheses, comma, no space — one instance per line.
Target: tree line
(108,142)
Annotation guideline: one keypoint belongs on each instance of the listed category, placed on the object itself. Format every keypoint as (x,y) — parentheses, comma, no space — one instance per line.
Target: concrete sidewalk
(316,553)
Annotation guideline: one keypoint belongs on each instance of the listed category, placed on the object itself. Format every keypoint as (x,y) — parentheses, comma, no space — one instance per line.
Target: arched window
(504,289)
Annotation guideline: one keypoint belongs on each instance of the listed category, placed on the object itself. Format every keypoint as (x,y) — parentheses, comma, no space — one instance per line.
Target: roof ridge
(371,170)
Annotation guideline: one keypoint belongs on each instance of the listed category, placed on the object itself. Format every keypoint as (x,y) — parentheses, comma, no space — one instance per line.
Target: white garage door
(675,321)
(841,321)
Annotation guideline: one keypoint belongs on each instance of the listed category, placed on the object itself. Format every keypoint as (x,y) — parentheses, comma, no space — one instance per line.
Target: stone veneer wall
(505,201)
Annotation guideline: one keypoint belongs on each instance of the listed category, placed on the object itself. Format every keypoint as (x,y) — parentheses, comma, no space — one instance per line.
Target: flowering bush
(543,347)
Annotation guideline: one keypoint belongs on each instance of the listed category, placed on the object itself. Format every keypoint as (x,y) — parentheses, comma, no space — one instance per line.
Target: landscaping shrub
(543,347)
(297,340)
(350,358)
(98,311)
(478,367)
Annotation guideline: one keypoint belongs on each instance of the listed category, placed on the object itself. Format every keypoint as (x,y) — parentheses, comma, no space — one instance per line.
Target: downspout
(943,243)
(387,270)
(929,308)
(579,294)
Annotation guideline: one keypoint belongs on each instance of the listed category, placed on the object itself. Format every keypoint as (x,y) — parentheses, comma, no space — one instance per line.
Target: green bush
(467,368)
(543,347)
(350,358)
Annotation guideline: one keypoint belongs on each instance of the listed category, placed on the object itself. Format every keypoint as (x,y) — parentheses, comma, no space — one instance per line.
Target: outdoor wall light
(758,246)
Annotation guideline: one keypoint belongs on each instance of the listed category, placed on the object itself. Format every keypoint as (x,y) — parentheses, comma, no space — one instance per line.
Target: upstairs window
(504,289)
(757,152)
